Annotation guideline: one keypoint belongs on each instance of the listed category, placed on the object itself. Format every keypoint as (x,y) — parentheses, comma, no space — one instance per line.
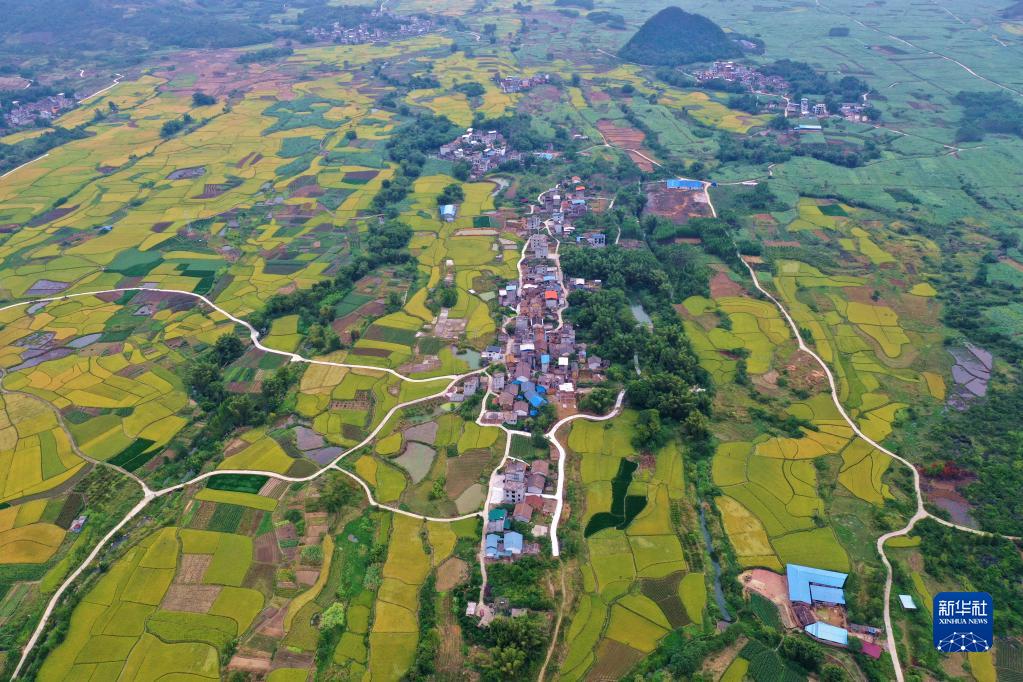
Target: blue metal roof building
(491,548)
(513,542)
(807,584)
(534,398)
(828,633)
(679,183)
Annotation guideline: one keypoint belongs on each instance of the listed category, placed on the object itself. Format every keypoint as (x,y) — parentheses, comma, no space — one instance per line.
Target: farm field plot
(435,462)
(633,582)
(151,611)
(25,538)
(35,453)
(299,174)
(112,366)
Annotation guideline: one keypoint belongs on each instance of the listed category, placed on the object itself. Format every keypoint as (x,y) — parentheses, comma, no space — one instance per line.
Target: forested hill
(68,25)
(674,36)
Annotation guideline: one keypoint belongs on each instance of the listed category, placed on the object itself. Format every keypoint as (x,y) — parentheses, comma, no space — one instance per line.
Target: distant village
(45,109)
(483,150)
(511,84)
(733,72)
(757,82)
(366,32)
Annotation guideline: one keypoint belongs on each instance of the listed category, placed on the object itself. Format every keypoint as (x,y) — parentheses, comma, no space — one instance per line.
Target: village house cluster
(733,72)
(45,109)
(510,84)
(543,359)
(804,108)
(365,32)
(519,509)
(483,150)
(517,496)
(561,206)
(755,81)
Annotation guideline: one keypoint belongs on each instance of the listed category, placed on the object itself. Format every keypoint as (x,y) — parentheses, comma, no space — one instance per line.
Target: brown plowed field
(627,138)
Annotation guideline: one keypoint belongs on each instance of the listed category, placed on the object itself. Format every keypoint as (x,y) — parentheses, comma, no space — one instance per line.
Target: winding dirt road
(921,512)
(150,495)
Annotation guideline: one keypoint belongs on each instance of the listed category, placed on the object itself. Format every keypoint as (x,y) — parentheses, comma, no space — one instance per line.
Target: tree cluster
(409,148)
(988,112)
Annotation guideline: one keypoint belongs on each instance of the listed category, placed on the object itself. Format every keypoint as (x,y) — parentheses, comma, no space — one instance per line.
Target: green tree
(833,673)
(452,194)
(338,493)
(227,348)
(649,433)
(333,617)
(599,401)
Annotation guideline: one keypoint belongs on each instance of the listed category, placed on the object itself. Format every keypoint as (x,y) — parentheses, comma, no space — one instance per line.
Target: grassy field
(153,611)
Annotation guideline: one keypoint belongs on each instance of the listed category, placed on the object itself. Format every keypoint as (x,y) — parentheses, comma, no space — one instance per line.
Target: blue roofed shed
(828,633)
(801,578)
(492,542)
(513,542)
(679,183)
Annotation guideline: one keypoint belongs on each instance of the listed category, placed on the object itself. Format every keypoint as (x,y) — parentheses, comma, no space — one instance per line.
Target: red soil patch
(677,205)
(193,567)
(721,285)
(273,625)
(306,577)
(614,660)
(51,215)
(451,573)
(219,73)
(773,587)
(371,352)
(309,191)
(629,139)
(213,190)
(250,661)
(360,176)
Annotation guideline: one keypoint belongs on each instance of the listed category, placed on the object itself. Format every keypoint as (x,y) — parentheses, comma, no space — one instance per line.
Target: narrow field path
(253,333)
(557,627)
(67,432)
